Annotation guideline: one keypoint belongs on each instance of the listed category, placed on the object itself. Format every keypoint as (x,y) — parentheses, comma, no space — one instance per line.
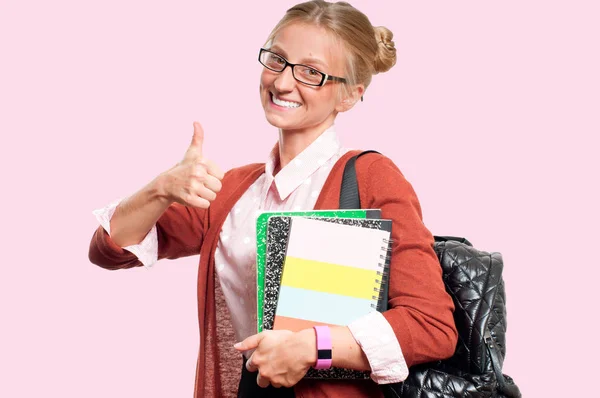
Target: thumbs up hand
(195,181)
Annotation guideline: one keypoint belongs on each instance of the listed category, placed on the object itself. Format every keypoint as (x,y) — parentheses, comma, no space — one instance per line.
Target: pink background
(492,113)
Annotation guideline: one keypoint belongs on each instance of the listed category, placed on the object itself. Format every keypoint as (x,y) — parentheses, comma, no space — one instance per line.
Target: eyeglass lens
(302,73)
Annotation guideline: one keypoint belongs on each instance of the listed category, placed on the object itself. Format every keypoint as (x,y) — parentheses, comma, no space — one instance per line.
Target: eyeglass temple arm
(336,79)
(341,79)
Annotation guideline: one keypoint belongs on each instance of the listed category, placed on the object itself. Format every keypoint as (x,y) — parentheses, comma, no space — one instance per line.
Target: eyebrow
(309,60)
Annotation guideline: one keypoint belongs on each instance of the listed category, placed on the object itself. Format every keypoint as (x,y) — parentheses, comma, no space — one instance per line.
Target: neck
(293,142)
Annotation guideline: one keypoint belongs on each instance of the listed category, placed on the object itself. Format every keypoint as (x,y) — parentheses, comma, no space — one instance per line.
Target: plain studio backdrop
(492,113)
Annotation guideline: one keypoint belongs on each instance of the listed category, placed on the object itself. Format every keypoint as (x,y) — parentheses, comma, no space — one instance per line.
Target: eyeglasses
(303,73)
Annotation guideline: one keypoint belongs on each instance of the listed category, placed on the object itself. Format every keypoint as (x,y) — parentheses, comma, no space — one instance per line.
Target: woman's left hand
(281,357)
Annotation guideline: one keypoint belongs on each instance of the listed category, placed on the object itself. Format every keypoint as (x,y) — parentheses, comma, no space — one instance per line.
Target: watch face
(323,354)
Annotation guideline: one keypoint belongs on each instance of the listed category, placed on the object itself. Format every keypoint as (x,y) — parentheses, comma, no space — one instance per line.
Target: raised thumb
(198,138)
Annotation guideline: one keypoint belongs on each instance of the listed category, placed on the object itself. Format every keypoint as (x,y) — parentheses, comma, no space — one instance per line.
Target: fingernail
(237,345)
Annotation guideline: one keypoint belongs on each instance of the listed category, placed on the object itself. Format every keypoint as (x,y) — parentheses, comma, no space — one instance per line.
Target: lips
(284,103)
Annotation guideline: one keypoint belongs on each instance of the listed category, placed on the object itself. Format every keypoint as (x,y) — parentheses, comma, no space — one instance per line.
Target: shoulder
(381,182)
(375,167)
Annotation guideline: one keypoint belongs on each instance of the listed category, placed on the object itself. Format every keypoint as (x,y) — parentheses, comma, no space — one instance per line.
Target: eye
(310,72)
(276,59)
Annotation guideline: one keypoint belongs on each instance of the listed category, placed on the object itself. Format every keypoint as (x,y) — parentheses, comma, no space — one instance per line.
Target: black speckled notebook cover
(277,236)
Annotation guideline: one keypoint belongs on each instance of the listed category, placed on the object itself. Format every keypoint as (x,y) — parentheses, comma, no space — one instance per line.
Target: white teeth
(285,104)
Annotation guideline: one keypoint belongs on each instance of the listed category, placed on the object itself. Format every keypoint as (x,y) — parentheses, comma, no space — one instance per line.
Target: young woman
(318,61)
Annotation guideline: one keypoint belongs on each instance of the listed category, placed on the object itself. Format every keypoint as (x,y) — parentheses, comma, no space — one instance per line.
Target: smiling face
(293,106)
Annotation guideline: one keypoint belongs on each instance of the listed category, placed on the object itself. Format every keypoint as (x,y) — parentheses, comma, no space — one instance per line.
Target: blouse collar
(304,164)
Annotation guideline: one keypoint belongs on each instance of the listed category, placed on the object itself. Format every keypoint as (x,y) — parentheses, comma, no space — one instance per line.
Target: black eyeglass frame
(325,77)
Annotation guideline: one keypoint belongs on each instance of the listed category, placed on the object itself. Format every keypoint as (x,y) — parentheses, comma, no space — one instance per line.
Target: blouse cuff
(146,251)
(375,336)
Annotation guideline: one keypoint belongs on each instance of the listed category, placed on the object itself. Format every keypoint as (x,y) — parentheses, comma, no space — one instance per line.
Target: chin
(278,121)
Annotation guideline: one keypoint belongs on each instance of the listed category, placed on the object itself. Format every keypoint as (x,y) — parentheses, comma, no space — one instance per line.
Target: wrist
(309,346)
(159,188)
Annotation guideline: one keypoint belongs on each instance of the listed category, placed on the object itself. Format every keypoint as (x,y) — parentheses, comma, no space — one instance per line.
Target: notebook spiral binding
(383,274)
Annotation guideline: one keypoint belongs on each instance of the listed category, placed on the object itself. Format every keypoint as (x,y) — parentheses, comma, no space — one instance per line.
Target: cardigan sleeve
(420,310)
(178,233)
(146,251)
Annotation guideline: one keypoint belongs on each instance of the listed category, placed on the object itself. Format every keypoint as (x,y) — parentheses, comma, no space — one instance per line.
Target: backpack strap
(349,197)
(509,390)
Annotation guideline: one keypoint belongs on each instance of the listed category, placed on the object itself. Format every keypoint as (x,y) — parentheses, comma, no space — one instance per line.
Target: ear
(348,100)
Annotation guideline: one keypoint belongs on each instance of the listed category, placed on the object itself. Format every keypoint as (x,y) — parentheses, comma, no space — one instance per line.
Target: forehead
(301,43)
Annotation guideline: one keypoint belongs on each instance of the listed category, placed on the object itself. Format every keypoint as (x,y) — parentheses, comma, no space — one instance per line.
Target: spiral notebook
(261,243)
(277,235)
(332,273)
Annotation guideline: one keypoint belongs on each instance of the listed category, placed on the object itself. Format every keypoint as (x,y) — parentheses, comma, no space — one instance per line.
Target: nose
(285,81)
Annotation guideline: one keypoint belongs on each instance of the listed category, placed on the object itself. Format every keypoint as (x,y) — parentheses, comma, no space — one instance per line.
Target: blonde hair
(370,49)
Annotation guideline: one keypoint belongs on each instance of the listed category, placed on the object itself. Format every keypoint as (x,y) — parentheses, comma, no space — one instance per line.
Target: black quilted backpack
(473,278)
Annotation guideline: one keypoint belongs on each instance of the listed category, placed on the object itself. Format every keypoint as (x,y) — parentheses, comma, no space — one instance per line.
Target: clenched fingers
(212,183)
(206,193)
(262,381)
(196,201)
(201,173)
(212,168)
(250,366)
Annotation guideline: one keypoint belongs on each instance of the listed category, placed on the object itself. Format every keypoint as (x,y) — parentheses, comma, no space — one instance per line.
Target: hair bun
(386,51)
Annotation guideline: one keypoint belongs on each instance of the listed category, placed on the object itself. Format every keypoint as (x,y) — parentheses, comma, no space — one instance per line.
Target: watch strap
(324,347)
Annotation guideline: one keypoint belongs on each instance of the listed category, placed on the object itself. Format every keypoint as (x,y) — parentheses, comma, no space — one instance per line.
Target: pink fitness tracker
(323,347)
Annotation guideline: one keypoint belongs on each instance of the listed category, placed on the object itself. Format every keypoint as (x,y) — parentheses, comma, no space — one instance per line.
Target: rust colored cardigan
(420,309)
